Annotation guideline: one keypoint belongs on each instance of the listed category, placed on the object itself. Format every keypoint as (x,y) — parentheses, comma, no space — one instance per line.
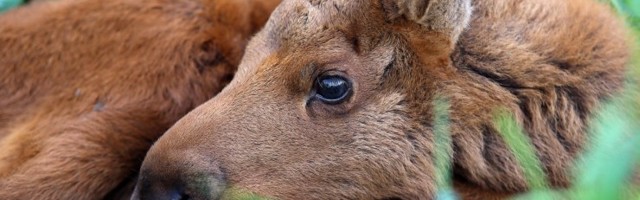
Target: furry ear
(445,16)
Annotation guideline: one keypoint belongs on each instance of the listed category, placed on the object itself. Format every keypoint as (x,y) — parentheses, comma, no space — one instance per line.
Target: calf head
(331,101)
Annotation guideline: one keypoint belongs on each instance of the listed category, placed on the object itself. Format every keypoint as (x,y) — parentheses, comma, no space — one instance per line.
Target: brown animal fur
(87,86)
(550,62)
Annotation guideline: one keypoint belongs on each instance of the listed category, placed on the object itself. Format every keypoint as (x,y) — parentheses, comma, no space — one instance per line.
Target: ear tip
(447,16)
(391,8)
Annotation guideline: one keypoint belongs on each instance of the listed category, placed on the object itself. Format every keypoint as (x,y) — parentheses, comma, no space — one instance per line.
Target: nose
(178,176)
(148,190)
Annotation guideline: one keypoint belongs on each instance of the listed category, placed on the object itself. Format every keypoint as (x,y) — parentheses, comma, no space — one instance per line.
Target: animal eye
(332,89)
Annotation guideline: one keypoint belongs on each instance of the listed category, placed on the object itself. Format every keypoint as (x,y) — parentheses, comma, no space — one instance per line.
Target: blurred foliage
(629,9)
(240,194)
(8,4)
(522,148)
(443,150)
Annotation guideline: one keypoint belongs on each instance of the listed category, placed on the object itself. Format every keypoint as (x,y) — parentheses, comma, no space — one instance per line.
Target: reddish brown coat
(87,86)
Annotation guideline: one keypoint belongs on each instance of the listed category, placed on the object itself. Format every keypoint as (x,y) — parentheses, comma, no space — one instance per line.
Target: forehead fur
(302,20)
(309,34)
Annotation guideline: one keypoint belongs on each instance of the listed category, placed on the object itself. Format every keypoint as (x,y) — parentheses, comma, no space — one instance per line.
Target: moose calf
(334,100)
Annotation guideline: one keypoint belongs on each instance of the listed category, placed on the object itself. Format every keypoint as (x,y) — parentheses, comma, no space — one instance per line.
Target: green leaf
(9,4)
(523,150)
(240,194)
(610,161)
(443,150)
(628,7)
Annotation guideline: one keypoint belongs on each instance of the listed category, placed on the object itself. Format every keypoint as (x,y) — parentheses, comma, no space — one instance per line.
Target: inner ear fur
(448,17)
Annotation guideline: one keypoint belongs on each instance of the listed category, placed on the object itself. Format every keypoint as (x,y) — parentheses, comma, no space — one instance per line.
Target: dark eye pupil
(332,89)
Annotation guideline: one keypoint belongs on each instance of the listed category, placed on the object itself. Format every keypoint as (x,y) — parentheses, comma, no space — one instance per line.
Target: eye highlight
(332,89)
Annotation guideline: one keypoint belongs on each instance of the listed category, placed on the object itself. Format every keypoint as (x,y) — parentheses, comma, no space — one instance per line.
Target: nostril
(159,190)
(171,176)
(160,187)
(178,195)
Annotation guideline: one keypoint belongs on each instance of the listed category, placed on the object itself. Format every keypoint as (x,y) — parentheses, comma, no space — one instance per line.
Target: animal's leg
(82,159)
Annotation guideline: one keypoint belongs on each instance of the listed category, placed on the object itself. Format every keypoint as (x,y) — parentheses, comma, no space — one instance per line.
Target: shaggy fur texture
(551,63)
(87,86)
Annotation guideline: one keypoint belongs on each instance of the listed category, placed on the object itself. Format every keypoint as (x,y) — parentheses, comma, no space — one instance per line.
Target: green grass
(442,150)
(240,194)
(9,4)
(522,148)
(630,9)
